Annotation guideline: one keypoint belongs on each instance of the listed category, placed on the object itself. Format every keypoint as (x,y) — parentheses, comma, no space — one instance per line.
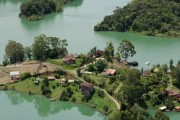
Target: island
(149,17)
(104,80)
(35,9)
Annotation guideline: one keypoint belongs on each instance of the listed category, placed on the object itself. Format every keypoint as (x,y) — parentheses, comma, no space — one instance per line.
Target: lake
(76,24)
(18,106)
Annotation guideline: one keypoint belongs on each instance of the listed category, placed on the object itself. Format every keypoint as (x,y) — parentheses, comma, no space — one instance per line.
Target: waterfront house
(86,88)
(173,94)
(177,108)
(69,59)
(15,75)
(98,53)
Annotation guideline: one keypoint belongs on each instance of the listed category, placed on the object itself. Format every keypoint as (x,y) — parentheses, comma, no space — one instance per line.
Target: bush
(73,99)
(25,75)
(105,108)
(101,94)
(53,86)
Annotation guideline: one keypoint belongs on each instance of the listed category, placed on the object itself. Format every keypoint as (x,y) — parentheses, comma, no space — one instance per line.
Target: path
(96,87)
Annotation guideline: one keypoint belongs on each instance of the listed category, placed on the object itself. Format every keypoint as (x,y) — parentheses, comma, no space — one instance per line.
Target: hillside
(150,17)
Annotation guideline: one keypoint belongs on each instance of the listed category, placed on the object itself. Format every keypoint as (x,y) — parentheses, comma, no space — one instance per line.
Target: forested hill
(36,9)
(150,17)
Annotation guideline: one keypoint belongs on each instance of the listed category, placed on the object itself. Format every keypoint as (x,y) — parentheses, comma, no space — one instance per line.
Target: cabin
(87,88)
(69,59)
(15,75)
(109,72)
(51,78)
(98,53)
(63,81)
(177,108)
(173,94)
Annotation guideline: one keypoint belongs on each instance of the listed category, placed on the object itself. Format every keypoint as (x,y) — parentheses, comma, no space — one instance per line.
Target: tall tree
(126,49)
(28,52)
(109,51)
(14,52)
(39,47)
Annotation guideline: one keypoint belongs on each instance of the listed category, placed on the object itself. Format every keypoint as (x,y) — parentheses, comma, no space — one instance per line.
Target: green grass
(60,63)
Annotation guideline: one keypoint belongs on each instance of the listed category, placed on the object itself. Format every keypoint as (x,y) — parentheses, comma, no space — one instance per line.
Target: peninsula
(150,17)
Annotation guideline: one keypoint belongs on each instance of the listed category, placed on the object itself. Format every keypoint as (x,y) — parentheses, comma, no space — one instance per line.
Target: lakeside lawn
(97,102)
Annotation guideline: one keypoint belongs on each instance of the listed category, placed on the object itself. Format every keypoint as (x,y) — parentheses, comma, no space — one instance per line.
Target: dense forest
(36,9)
(150,17)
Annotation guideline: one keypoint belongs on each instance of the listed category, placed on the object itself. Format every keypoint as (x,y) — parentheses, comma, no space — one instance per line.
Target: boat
(52,99)
(147,63)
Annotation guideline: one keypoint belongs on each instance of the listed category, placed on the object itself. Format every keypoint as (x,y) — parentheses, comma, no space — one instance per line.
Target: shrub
(101,94)
(25,75)
(73,99)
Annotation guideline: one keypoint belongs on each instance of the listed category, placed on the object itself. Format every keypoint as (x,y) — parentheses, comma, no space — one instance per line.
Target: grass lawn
(28,85)
(59,62)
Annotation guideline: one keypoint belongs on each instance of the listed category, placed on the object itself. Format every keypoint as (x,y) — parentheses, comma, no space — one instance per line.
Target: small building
(15,75)
(163,108)
(173,94)
(177,108)
(98,53)
(71,81)
(156,70)
(63,81)
(51,78)
(109,72)
(87,88)
(69,59)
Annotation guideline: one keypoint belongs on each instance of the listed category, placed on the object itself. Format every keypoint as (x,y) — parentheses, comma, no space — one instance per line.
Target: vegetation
(36,9)
(14,52)
(146,17)
(48,47)
(126,49)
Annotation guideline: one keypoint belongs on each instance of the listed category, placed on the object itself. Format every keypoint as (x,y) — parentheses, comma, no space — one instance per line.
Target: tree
(160,116)
(14,52)
(92,51)
(28,52)
(109,51)
(40,48)
(100,65)
(126,49)
(171,64)
(48,47)
(118,56)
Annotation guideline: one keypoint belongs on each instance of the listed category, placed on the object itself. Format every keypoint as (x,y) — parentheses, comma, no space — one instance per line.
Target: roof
(86,84)
(111,71)
(172,93)
(71,81)
(100,52)
(69,57)
(15,73)
(51,78)
(177,107)
(63,80)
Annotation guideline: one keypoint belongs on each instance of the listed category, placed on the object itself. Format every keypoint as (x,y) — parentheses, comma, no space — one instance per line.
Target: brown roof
(69,57)
(172,93)
(100,52)
(86,84)
(111,71)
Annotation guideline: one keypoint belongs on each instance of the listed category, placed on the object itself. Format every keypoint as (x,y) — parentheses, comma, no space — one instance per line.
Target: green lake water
(76,24)
(17,106)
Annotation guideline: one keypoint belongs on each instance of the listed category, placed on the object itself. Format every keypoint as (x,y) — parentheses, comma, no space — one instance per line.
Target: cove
(76,24)
(18,106)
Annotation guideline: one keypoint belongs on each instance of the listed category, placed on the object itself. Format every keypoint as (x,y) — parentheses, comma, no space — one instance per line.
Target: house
(156,70)
(69,59)
(63,81)
(15,75)
(71,81)
(98,53)
(173,94)
(87,88)
(177,108)
(51,78)
(109,72)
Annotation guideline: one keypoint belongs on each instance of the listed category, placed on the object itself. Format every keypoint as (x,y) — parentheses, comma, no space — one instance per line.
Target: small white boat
(147,63)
